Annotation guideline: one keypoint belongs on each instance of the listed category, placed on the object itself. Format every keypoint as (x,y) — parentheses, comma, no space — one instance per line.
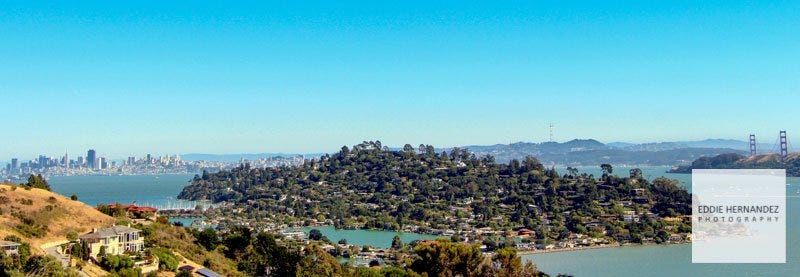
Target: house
(134,211)
(115,240)
(9,247)
(630,216)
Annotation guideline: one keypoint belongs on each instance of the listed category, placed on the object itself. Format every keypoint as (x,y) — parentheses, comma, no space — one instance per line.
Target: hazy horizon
(332,150)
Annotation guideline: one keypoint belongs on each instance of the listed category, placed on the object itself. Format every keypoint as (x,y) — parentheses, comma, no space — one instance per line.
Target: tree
(270,259)
(445,258)
(38,182)
(314,234)
(343,241)
(74,197)
(607,169)
(236,241)
(317,262)
(167,261)
(208,238)
(636,173)
(506,263)
(573,172)
(72,235)
(397,243)
(531,163)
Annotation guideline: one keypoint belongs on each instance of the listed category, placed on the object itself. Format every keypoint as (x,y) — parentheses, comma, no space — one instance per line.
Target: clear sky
(136,77)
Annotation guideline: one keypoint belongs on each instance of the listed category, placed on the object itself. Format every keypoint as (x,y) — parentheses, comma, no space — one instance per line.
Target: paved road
(54,251)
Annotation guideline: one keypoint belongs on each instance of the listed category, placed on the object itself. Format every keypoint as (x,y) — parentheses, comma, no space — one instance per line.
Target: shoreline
(615,245)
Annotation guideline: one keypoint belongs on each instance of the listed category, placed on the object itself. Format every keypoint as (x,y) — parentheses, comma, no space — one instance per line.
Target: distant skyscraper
(42,161)
(65,162)
(91,159)
(102,164)
(14,164)
(80,161)
(149,158)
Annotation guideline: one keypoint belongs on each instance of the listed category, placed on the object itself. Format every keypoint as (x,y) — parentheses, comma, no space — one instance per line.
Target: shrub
(72,235)
(116,263)
(167,261)
(74,197)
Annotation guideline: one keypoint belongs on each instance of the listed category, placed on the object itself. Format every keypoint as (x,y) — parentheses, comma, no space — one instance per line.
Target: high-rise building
(65,162)
(102,164)
(91,159)
(42,161)
(14,164)
(80,162)
(149,158)
(131,160)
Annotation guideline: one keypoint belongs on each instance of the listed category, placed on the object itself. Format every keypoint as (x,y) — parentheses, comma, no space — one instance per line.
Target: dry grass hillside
(40,216)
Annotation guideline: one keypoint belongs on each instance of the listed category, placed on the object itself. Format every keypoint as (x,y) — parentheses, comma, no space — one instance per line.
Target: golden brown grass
(62,216)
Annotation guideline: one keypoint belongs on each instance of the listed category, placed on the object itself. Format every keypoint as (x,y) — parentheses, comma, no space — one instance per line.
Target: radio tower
(551,132)
(784,145)
(752,145)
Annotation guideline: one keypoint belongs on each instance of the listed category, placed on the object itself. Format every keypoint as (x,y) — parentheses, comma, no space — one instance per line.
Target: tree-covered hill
(735,161)
(373,187)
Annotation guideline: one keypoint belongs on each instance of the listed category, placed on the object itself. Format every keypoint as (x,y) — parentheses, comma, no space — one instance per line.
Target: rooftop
(113,231)
(8,243)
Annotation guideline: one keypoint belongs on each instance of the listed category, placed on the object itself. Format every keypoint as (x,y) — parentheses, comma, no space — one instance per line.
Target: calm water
(378,239)
(152,190)
(674,260)
(186,221)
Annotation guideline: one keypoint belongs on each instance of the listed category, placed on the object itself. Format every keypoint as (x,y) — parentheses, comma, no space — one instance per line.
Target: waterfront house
(9,247)
(134,211)
(115,240)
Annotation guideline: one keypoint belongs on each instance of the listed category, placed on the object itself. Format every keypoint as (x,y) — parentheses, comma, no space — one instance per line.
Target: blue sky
(172,77)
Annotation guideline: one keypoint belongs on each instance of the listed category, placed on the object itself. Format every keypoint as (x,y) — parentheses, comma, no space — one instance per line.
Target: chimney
(94,230)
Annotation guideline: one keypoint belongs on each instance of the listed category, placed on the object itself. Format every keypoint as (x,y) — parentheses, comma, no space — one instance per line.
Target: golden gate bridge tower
(784,144)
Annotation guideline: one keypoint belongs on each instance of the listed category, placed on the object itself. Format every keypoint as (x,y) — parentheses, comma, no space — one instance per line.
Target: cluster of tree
(121,265)
(373,187)
(445,258)
(37,182)
(116,211)
(264,254)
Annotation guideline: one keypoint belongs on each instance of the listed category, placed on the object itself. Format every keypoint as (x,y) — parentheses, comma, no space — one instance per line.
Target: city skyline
(267,77)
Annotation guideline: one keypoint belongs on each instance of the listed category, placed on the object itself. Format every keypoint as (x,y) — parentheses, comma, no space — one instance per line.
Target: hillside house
(116,240)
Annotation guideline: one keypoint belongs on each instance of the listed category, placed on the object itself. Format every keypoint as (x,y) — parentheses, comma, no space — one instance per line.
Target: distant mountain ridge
(573,152)
(592,152)
(706,143)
